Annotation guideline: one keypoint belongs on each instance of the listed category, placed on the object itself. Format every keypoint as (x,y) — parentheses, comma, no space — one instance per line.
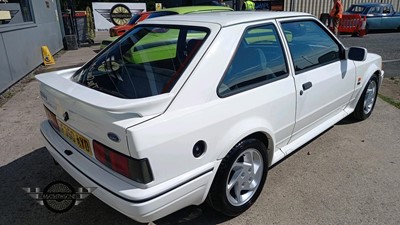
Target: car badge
(66,116)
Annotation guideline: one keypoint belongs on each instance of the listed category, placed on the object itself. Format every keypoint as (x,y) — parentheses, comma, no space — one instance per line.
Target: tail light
(120,32)
(135,169)
(114,32)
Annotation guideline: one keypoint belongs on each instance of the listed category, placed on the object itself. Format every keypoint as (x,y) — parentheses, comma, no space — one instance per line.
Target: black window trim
(249,87)
(77,74)
(342,54)
(23,25)
(127,33)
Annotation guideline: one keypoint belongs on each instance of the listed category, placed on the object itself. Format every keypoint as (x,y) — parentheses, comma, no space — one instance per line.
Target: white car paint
(165,127)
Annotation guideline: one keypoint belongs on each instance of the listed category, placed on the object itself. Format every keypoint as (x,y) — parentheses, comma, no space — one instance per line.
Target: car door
(324,79)
(388,20)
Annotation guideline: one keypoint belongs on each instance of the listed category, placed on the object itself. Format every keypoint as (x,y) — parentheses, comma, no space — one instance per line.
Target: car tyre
(367,31)
(367,101)
(240,178)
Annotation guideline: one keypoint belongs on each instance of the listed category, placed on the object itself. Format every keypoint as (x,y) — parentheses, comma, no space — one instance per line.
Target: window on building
(15,11)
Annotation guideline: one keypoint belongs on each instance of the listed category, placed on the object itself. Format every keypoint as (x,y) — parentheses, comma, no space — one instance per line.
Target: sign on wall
(158,6)
(107,15)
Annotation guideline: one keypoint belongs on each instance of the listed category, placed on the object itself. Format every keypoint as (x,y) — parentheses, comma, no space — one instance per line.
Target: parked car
(379,16)
(192,108)
(119,30)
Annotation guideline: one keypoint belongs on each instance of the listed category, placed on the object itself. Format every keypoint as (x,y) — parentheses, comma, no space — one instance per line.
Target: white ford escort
(193,108)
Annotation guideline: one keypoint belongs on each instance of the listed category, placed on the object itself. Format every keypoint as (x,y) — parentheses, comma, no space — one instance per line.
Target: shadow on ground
(38,170)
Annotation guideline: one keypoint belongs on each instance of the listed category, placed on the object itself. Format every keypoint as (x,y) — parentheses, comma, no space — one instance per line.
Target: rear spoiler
(61,81)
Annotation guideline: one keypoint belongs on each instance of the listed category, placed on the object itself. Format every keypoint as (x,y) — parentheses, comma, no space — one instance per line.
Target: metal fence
(316,7)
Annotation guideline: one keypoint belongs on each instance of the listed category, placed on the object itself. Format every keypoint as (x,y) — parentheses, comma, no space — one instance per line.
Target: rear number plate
(80,141)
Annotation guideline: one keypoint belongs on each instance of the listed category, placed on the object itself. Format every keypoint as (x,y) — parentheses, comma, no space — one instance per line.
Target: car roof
(192,9)
(228,18)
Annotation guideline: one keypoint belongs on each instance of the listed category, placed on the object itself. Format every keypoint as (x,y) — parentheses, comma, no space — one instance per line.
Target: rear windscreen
(146,61)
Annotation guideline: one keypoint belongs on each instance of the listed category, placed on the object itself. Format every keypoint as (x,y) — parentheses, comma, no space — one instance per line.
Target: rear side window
(310,45)
(146,62)
(258,60)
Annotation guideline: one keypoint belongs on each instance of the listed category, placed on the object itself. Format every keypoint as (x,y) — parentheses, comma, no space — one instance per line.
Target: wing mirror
(356,53)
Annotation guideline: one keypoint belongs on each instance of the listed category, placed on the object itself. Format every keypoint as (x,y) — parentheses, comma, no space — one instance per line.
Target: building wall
(20,44)
(316,7)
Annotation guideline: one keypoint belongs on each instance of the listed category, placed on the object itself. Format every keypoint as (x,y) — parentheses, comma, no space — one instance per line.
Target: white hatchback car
(189,108)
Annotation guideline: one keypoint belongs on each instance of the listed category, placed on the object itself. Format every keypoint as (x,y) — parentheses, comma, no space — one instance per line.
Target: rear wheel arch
(222,196)
(260,135)
(266,139)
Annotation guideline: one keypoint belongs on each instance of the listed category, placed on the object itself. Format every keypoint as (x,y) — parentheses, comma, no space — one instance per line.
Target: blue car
(379,16)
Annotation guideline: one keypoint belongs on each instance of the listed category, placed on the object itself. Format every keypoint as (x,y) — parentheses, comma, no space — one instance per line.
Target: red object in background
(120,30)
(352,23)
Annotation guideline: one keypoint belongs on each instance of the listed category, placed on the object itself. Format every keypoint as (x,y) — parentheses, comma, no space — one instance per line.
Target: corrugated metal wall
(316,7)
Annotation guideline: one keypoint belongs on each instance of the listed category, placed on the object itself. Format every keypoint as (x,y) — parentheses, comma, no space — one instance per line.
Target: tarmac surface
(347,175)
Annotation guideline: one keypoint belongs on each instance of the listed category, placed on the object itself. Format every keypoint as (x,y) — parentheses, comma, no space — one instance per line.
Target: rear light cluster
(135,169)
(116,32)
(113,32)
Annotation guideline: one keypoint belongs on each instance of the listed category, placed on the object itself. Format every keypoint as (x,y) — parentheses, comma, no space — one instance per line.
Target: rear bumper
(143,205)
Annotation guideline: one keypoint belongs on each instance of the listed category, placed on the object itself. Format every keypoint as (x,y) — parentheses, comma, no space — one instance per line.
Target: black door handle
(307,85)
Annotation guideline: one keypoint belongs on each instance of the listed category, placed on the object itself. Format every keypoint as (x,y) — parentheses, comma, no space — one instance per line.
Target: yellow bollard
(47,57)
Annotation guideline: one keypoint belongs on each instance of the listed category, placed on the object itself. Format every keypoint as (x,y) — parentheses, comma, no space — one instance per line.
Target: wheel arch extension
(262,136)
(378,73)
(266,139)
(372,70)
